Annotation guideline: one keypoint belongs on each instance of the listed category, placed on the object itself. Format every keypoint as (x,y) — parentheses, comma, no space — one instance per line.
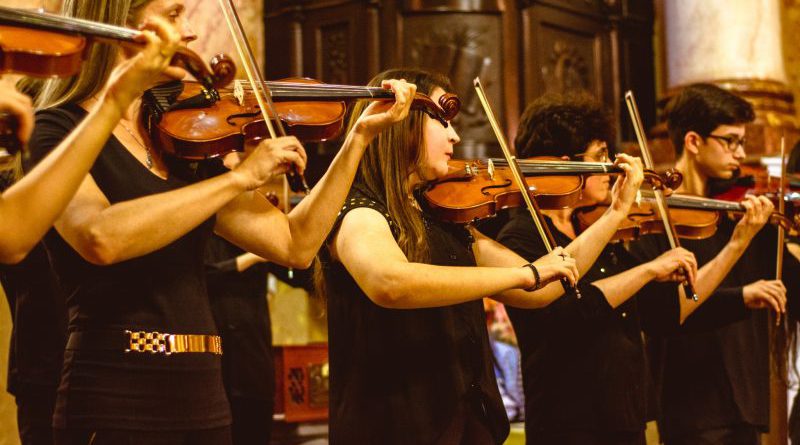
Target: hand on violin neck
(626,188)
(270,158)
(758,210)
(148,67)
(380,115)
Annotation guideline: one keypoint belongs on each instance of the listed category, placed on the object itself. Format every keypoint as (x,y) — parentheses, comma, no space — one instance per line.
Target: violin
(478,189)
(47,45)
(755,180)
(693,217)
(310,110)
(41,44)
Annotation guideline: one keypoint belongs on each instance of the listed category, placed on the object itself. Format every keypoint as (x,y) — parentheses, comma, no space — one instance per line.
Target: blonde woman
(142,363)
(29,207)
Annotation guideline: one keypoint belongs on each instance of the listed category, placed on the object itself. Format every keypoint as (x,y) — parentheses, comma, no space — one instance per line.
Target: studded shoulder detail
(358,199)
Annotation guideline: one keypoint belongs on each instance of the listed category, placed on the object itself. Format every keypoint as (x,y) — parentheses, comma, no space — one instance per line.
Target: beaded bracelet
(535,276)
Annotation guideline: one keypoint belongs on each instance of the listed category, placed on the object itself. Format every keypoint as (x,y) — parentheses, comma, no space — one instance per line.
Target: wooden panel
(563,52)
(636,73)
(521,49)
(594,8)
(335,44)
(462,46)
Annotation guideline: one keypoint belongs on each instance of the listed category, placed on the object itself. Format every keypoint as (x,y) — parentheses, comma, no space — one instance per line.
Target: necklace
(149,160)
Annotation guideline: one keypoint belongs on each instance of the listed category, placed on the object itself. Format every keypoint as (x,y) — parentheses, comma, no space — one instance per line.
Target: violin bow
(781,230)
(259,87)
(661,203)
(516,172)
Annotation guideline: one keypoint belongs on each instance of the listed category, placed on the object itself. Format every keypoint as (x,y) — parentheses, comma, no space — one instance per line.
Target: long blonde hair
(388,162)
(100,61)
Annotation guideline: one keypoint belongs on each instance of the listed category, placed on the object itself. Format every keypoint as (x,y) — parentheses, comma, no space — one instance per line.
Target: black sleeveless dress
(407,376)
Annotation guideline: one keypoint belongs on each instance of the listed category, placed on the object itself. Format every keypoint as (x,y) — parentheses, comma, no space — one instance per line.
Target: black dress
(408,376)
(239,305)
(37,342)
(163,291)
(720,378)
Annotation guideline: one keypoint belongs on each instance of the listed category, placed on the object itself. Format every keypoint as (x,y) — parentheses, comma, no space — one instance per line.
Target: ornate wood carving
(463,49)
(521,49)
(567,70)
(334,55)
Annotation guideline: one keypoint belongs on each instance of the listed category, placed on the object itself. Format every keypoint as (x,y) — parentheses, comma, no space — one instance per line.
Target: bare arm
(294,239)
(490,253)
(390,280)
(255,225)
(31,206)
(106,234)
(247,260)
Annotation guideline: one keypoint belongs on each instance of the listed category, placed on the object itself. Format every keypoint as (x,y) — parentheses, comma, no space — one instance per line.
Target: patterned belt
(144,342)
(159,343)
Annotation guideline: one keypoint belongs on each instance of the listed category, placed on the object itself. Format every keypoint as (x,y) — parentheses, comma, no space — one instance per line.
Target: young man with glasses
(714,384)
(583,360)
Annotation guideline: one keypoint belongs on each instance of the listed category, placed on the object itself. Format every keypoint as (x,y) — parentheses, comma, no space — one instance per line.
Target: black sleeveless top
(399,376)
(163,291)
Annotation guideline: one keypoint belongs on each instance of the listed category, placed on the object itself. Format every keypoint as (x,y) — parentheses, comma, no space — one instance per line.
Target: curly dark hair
(562,125)
(701,108)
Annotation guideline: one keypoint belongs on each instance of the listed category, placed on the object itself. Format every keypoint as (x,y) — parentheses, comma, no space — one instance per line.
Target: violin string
(53,21)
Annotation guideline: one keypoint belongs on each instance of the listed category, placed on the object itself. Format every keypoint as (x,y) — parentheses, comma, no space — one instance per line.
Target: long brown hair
(100,61)
(392,156)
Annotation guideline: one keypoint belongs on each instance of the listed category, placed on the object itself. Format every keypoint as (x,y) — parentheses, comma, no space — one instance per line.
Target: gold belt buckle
(167,344)
(152,342)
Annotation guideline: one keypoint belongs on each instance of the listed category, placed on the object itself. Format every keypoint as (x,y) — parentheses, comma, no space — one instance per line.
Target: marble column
(738,46)
(712,40)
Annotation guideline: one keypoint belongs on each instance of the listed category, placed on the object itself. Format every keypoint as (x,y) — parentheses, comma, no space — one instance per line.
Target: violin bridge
(238,91)
(638,197)
(490,169)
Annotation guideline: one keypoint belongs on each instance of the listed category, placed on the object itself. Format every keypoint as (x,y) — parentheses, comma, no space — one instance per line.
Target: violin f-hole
(508,183)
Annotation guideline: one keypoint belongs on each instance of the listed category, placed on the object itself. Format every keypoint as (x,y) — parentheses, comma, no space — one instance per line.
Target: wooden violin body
(40,53)
(224,126)
(644,219)
(310,110)
(47,45)
(693,217)
(478,189)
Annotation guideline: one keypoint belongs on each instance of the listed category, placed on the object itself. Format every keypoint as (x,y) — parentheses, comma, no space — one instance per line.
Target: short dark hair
(701,108)
(562,125)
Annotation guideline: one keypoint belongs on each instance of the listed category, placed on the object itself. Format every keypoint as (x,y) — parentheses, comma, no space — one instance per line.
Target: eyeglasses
(599,156)
(731,143)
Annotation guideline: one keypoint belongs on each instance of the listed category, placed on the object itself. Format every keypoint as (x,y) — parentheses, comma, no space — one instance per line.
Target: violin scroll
(672,178)
(221,73)
(450,105)
(223,69)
